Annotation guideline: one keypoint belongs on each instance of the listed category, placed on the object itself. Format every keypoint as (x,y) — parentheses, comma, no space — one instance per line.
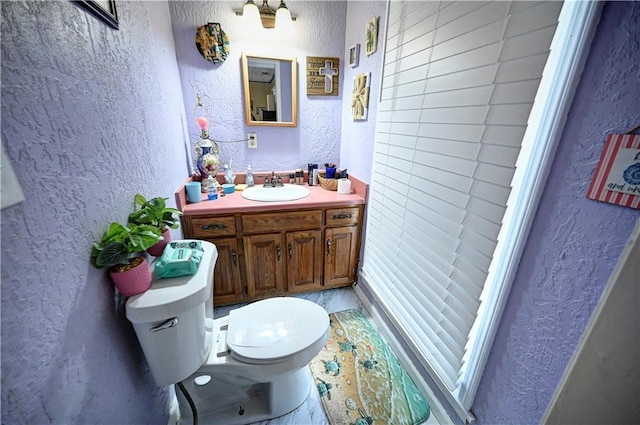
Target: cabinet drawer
(276,222)
(342,216)
(213,226)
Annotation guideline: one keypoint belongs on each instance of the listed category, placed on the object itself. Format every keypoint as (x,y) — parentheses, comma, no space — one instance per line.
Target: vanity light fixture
(269,17)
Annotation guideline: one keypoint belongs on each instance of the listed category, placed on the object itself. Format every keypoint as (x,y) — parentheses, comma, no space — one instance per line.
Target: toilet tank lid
(171,297)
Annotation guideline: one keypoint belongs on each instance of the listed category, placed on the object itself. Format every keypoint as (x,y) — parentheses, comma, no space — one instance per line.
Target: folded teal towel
(179,259)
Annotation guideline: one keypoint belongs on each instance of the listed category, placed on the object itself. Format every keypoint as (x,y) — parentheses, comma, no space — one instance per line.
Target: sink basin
(287,192)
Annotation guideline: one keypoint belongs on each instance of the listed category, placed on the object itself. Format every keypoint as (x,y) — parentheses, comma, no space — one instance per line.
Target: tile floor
(311,411)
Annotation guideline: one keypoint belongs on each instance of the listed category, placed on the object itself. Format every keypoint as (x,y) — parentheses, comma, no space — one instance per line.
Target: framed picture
(360,96)
(323,76)
(354,55)
(105,10)
(616,179)
(371,36)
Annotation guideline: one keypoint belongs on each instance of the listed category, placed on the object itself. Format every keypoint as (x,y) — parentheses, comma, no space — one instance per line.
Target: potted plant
(154,212)
(117,251)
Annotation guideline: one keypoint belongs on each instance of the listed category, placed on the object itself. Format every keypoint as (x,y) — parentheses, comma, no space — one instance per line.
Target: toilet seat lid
(275,328)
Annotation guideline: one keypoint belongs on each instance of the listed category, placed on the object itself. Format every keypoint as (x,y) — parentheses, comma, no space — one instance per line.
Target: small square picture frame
(371,36)
(354,55)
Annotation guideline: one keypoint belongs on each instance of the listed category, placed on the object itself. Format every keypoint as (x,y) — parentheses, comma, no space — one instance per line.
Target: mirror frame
(294,91)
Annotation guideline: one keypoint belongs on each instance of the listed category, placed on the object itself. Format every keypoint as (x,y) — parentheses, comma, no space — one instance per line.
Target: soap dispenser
(249,179)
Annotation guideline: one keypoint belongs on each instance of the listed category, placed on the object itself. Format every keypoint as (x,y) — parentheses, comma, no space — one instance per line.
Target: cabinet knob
(329,243)
(290,251)
(279,251)
(233,256)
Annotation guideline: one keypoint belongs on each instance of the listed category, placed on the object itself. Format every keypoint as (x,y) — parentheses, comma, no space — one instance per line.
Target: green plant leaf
(143,237)
(116,233)
(139,199)
(112,254)
(119,242)
(154,212)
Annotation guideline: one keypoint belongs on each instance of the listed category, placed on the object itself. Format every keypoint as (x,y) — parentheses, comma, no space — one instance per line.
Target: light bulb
(202,122)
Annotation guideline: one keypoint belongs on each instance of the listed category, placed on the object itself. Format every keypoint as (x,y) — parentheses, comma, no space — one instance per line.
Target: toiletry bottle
(212,193)
(249,179)
(313,175)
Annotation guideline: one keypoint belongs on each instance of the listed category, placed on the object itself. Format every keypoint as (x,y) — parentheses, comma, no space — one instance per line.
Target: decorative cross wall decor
(322,76)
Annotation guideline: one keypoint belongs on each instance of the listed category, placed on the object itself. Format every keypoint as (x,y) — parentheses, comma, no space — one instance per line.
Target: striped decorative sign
(617,176)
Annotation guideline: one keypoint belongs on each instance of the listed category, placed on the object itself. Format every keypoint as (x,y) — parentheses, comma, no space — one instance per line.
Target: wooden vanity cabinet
(227,283)
(264,265)
(221,231)
(304,261)
(341,256)
(261,255)
(342,246)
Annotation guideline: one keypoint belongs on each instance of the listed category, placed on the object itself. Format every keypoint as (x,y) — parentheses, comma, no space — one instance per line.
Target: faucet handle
(267,179)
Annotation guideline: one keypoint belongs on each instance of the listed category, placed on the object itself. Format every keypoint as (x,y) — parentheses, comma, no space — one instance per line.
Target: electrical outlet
(252,142)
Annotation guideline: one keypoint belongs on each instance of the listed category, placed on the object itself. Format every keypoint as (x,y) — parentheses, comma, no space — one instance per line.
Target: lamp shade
(251,15)
(283,19)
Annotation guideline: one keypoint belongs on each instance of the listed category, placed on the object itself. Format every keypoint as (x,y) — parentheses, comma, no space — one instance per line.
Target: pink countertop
(234,202)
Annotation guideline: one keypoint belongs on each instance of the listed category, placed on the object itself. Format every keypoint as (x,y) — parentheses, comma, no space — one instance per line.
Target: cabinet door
(304,261)
(341,256)
(264,256)
(227,283)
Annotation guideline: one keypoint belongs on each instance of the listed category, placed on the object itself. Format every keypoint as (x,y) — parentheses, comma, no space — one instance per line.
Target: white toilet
(246,367)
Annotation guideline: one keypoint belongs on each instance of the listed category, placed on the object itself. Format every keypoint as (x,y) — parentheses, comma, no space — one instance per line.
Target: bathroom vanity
(268,249)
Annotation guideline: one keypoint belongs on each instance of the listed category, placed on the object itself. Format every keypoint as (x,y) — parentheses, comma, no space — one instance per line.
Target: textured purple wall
(320,29)
(90,116)
(356,149)
(68,354)
(574,242)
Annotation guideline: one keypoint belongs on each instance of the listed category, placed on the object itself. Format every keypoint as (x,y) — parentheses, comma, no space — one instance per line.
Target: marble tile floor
(311,411)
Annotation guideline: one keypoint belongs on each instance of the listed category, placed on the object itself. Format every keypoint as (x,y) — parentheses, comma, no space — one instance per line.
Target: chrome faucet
(273,181)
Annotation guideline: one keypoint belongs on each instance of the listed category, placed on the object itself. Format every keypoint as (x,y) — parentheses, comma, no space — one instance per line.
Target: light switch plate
(252,140)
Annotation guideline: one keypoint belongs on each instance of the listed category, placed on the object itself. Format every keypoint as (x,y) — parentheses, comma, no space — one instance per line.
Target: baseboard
(437,409)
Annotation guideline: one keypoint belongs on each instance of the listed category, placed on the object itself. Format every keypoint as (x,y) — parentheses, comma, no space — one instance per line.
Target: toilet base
(227,403)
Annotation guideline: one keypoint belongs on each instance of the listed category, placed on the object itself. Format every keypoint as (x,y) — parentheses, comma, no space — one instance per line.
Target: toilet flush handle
(166,325)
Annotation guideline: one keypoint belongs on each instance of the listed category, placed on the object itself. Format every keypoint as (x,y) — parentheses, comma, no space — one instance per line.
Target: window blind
(459,82)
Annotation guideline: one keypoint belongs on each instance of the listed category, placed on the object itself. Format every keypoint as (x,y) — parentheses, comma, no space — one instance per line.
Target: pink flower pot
(133,281)
(158,248)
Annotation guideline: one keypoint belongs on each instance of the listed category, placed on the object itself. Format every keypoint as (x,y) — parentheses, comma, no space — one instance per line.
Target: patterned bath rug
(359,379)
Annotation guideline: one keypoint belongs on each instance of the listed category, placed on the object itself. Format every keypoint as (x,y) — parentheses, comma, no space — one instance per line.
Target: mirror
(270,90)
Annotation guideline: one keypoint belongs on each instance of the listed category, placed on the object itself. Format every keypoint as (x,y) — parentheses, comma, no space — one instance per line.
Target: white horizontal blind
(459,82)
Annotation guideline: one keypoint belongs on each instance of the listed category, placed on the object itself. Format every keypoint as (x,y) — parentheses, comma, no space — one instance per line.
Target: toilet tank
(174,320)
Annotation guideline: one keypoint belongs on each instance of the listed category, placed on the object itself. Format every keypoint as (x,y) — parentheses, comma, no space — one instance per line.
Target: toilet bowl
(245,367)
